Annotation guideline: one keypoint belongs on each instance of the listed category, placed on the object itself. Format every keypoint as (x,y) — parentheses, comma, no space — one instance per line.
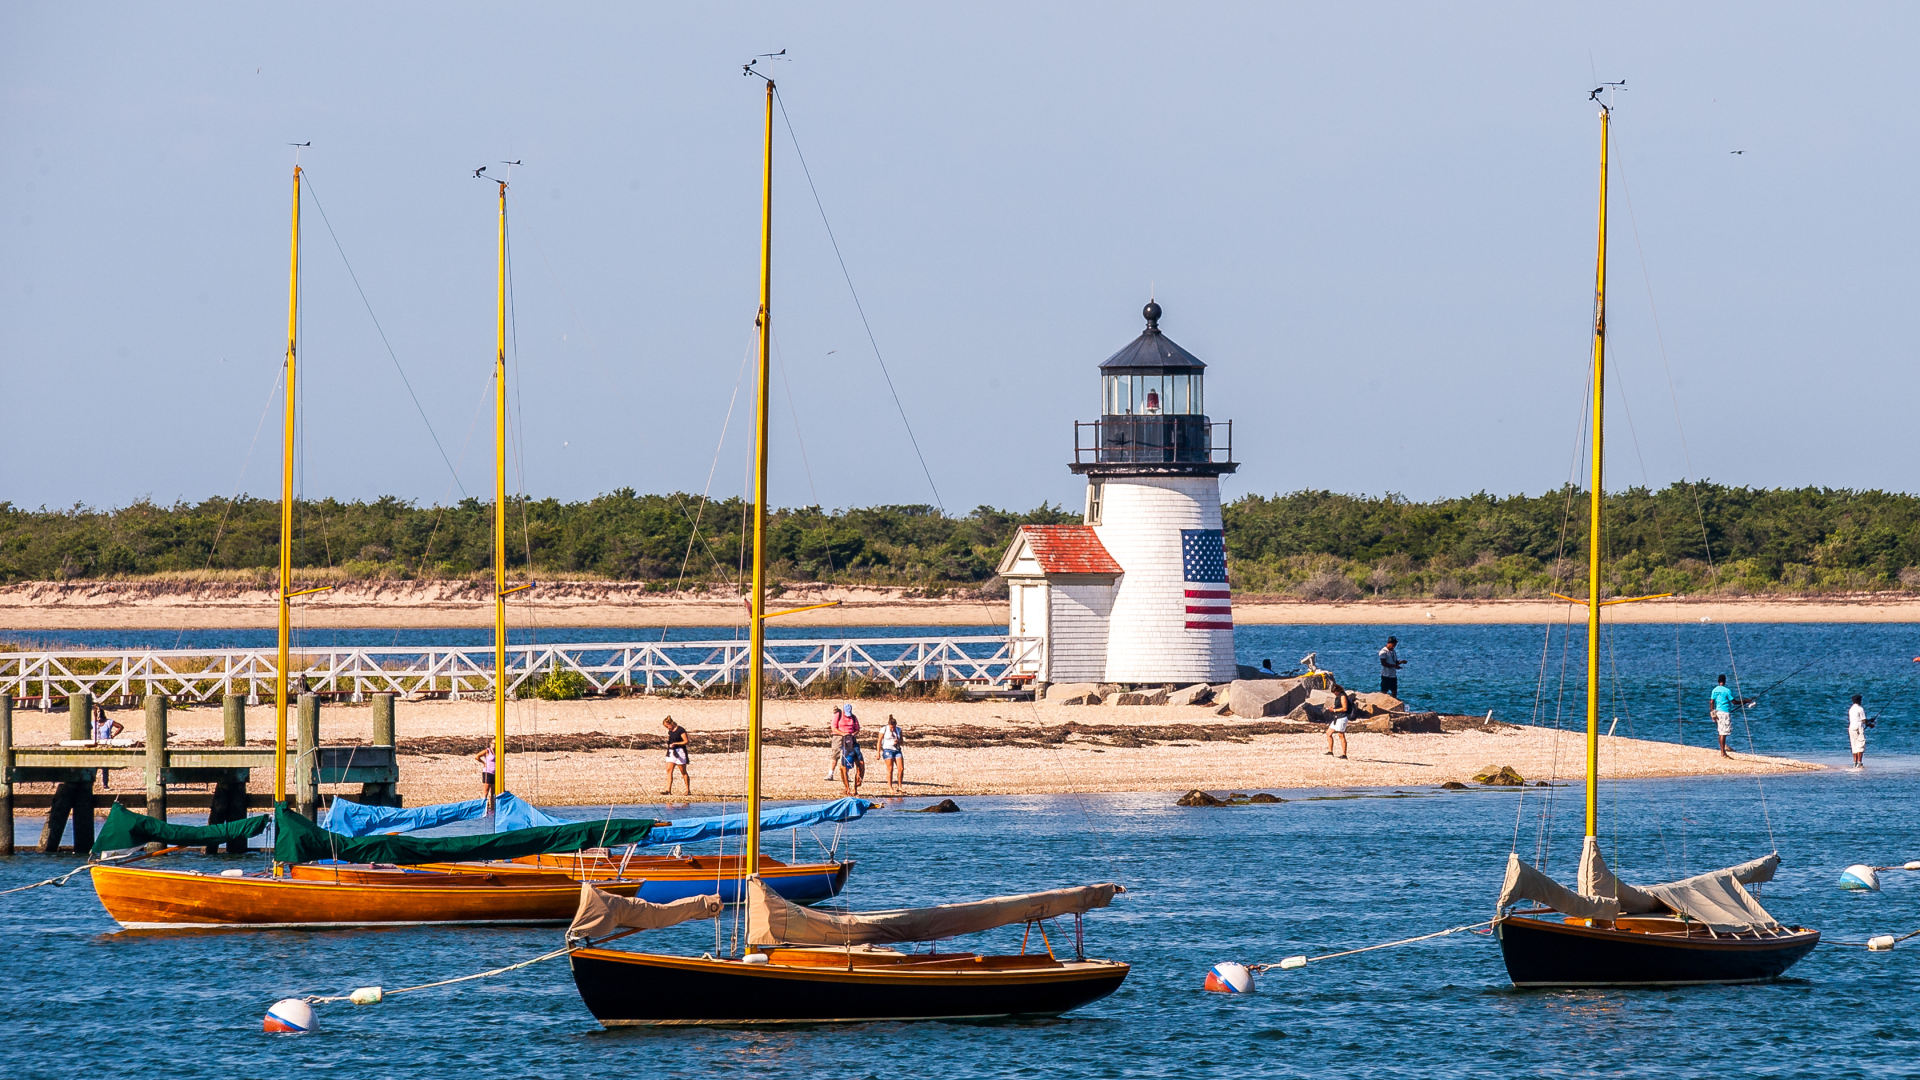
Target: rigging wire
(381,330)
(859,307)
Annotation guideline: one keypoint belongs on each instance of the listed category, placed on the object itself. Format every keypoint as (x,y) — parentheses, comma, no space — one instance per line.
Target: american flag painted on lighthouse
(1203,558)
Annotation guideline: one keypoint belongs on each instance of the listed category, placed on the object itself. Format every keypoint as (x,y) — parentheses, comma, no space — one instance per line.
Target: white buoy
(290,1016)
(1881,943)
(1292,962)
(1229,979)
(367,995)
(1860,877)
(1914,865)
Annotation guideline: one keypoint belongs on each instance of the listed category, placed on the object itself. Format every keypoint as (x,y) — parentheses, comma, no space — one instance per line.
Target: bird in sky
(1736,151)
(478,171)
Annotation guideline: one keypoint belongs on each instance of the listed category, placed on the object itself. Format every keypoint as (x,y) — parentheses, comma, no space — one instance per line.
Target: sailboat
(322,879)
(1703,929)
(811,966)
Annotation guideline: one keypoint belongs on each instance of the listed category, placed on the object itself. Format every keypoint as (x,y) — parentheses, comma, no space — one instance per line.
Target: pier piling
(306,786)
(73,797)
(374,793)
(80,716)
(156,757)
(229,802)
(6,774)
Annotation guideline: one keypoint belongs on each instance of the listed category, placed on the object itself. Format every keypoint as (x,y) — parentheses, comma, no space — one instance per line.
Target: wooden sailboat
(333,894)
(805,966)
(1704,929)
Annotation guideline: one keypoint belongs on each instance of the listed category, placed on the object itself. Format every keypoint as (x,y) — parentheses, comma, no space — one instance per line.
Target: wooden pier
(75,764)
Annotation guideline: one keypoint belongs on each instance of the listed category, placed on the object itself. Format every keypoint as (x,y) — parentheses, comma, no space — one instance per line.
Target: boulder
(1425,723)
(1142,697)
(1197,694)
(1266,697)
(1242,671)
(1309,713)
(1382,703)
(1197,798)
(944,806)
(1077,693)
(1453,785)
(1499,776)
(1263,797)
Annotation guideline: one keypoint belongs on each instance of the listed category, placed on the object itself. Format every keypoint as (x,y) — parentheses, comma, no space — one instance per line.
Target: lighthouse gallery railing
(990,663)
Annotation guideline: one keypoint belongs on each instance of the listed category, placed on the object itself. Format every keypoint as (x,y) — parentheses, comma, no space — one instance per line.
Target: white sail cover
(1715,899)
(773,920)
(601,913)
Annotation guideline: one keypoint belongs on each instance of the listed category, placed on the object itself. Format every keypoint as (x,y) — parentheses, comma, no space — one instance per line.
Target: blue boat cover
(348,818)
(688,830)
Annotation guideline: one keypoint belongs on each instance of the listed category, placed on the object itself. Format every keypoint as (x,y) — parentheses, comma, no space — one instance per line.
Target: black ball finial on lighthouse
(1152,312)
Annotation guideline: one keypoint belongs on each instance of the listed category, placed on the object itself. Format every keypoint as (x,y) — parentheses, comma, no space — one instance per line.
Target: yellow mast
(500,510)
(1594,493)
(758,634)
(286,513)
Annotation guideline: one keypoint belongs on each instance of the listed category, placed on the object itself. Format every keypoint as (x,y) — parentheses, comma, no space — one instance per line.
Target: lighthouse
(1137,594)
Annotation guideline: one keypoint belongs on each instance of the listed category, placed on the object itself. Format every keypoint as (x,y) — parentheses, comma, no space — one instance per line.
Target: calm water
(1250,884)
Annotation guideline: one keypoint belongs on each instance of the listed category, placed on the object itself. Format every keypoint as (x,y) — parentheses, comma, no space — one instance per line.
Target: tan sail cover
(772,920)
(1715,899)
(1525,883)
(602,913)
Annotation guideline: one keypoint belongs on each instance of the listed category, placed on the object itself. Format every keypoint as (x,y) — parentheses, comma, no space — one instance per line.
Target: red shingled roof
(1069,549)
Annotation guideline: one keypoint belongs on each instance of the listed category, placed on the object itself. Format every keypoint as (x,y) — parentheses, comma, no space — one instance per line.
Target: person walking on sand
(852,763)
(833,758)
(1722,713)
(1857,732)
(105,729)
(1390,665)
(1346,709)
(485,758)
(677,743)
(890,753)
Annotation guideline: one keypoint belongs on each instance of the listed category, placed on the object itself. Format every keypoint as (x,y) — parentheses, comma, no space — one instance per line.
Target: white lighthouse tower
(1139,592)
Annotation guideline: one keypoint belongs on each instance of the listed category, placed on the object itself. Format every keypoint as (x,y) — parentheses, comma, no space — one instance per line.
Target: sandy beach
(608,750)
(34,607)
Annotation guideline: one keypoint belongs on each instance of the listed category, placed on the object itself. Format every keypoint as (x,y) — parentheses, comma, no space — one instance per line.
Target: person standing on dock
(1722,713)
(485,758)
(677,743)
(1390,665)
(105,730)
(1857,732)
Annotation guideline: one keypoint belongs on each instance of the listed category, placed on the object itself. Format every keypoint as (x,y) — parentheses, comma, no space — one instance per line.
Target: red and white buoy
(290,1016)
(1229,979)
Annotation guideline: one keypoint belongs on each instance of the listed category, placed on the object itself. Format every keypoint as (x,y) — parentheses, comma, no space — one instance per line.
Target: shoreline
(600,752)
(152,605)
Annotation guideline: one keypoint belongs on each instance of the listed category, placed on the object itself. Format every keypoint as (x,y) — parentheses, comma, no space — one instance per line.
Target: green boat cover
(126,829)
(297,840)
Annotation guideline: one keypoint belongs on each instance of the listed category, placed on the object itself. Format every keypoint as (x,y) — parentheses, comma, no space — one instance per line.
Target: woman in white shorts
(1346,710)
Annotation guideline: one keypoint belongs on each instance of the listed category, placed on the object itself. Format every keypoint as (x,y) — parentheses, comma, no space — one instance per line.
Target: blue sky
(1374,222)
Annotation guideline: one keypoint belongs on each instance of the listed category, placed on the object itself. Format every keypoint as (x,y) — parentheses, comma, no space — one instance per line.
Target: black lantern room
(1152,413)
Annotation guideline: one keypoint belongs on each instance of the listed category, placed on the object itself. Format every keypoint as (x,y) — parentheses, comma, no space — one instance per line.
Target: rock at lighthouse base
(1266,697)
(1080,693)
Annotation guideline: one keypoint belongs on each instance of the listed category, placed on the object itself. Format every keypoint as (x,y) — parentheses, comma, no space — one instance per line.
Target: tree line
(1686,538)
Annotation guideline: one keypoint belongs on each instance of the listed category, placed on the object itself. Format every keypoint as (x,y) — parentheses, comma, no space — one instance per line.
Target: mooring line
(1292,962)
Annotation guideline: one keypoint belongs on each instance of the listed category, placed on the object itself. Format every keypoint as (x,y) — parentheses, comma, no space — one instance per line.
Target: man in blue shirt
(1722,713)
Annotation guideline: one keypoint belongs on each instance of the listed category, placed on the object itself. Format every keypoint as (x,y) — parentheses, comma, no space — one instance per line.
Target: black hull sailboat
(1704,929)
(807,966)
(1656,952)
(626,989)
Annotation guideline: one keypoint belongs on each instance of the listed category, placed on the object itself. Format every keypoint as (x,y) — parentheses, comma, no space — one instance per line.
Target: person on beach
(1722,713)
(1857,732)
(105,729)
(833,758)
(677,743)
(1346,709)
(890,753)
(852,763)
(1390,665)
(485,758)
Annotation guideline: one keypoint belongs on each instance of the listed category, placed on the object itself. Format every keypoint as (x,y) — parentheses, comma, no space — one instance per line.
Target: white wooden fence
(989,664)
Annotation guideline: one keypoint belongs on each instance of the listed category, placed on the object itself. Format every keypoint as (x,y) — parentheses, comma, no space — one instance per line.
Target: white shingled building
(1138,594)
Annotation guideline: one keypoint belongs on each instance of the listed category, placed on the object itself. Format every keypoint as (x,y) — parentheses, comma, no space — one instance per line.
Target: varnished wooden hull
(1544,952)
(664,879)
(140,898)
(624,989)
